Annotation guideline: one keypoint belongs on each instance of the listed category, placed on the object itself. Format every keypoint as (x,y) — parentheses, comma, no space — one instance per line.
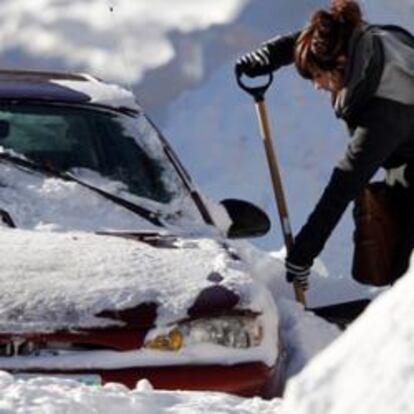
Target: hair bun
(346,11)
(326,38)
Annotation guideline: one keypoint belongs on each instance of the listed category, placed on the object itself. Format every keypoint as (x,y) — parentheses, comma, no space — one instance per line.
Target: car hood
(64,281)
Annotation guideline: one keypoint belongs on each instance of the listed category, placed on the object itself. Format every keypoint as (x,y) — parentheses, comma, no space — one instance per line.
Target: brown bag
(377,235)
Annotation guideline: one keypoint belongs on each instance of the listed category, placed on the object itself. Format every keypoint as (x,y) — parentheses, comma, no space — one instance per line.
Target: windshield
(66,138)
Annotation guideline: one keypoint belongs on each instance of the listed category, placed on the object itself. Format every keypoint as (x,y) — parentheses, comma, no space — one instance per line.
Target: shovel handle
(258,91)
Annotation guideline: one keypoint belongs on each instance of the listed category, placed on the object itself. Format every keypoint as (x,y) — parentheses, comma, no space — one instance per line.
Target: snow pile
(90,36)
(304,334)
(56,396)
(324,288)
(370,368)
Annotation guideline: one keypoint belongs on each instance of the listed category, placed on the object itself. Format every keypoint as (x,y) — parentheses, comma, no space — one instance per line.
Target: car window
(126,161)
(65,138)
(48,137)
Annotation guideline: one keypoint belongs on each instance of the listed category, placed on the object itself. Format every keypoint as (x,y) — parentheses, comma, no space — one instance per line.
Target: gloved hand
(254,63)
(269,57)
(297,274)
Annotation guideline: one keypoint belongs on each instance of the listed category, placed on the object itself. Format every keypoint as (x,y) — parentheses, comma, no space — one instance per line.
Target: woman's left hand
(297,274)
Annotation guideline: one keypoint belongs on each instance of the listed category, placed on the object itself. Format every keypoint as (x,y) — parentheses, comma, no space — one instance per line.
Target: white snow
(106,94)
(45,274)
(120,45)
(35,201)
(370,368)
(56,396)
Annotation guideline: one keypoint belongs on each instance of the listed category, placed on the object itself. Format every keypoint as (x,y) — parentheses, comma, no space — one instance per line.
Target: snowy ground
(60,396)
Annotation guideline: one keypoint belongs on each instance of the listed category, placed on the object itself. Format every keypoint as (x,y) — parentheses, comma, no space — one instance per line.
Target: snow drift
(370,368)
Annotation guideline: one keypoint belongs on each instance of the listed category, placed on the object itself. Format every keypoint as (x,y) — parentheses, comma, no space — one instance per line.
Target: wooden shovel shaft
(277,187)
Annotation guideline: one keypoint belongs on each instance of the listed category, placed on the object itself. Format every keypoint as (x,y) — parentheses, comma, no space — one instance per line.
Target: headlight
(231,331)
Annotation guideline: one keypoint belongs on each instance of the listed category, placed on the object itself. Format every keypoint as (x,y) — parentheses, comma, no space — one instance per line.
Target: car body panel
(245,380)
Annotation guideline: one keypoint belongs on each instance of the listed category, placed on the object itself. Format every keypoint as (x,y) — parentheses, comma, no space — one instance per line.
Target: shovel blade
(342,314)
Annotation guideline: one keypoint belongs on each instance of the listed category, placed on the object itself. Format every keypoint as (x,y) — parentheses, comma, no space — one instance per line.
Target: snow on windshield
(38,202)
(138,171)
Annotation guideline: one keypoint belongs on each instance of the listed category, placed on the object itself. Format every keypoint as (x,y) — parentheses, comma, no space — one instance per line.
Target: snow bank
(56,396)
(370,368)
(88,35)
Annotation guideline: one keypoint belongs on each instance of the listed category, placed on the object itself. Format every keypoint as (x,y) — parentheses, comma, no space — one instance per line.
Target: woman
(369,71)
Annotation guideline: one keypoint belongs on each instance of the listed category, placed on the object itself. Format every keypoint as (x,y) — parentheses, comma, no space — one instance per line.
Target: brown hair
(326,38)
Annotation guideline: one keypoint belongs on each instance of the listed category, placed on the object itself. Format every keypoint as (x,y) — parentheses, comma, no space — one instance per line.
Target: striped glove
(297,274)
(254,63)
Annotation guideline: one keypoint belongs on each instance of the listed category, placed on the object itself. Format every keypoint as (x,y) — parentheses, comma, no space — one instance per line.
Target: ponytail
(326,37)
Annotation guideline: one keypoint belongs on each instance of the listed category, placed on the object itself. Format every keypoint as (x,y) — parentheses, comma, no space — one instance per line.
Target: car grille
(54,343)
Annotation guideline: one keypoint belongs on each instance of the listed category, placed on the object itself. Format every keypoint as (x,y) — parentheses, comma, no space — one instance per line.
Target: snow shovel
(258,92)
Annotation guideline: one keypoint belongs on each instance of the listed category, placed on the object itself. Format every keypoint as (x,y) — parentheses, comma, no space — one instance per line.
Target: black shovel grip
(257,92)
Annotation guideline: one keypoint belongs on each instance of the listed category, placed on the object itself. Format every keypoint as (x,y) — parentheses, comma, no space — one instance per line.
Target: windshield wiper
(25,163)
(152,238)
(6,219)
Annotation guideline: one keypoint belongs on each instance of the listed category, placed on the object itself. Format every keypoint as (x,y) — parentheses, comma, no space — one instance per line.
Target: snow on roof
(102,93)
(66,87)
(370,368)
(53,281)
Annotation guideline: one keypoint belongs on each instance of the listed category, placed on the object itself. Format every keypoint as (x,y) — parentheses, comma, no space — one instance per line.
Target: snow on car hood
(52,281)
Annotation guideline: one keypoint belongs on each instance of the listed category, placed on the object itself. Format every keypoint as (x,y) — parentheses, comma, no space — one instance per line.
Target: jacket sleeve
(281,50)
(378,132)
(275,53)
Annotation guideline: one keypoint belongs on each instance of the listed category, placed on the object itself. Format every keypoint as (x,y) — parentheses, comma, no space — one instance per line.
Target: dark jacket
(377,103)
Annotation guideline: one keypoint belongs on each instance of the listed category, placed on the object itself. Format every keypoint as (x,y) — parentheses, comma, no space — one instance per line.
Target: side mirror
(248,220)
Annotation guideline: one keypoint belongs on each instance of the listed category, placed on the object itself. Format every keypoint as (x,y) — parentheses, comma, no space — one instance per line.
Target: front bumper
(247,380)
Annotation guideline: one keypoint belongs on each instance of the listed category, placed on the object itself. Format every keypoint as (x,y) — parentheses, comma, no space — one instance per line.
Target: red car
(114,267)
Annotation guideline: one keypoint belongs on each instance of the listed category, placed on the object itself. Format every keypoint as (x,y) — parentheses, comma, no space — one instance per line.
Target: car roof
(70,88)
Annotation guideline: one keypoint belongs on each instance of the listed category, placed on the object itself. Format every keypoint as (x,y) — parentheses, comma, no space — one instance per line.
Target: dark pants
(404,202)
